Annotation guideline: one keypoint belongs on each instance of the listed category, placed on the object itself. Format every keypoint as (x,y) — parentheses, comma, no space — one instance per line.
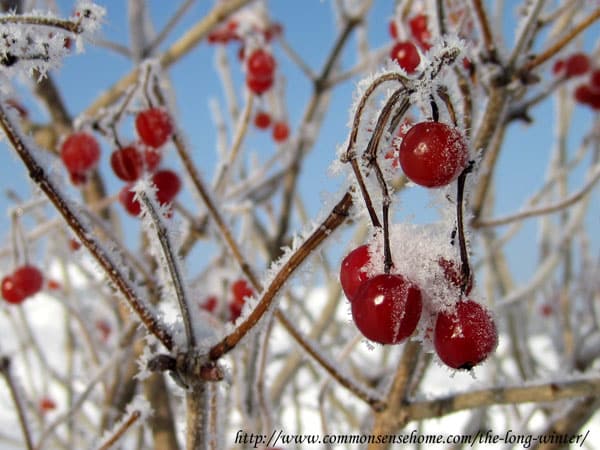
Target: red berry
(387,308)
(586,95)
(28,279)
(240,290)
(466,336)
(154,126)
(128,202)
(74,244)
(453,274)
(54,285)
(127,163)
(11,292)
(260,64)
(259,85)
(420,30)
(558,66)
(577,64)
(352,270)
(595,80)
(260,68)
(406,55)
(46,404)
(104,329)
(80,152)
(209,304)
(262,120)
(433,154)
(167,184)
(281,131)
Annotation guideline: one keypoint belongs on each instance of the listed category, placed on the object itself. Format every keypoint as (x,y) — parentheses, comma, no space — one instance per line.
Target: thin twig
(554,49)
(372,398)
(160,37)
(558,206)
(336,217)
(172,266)
(12,387)
(119,432)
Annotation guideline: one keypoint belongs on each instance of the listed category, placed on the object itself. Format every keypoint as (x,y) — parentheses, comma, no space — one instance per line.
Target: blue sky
(308,28)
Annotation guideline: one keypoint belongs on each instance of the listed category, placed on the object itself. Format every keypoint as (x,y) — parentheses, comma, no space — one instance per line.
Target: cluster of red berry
(80,153)
(240,290)
(24,282)
(579,64)
(280,131)
(405,51)
(387,307)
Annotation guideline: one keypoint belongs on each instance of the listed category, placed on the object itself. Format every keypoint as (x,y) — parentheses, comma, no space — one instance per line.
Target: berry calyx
(262,120)
(407,56)
(353,271)
(127,163)
(240,290)
(80,153)
(433,154)
(466,336)
(281,131)
(387,308)
(577,64)
(154,126)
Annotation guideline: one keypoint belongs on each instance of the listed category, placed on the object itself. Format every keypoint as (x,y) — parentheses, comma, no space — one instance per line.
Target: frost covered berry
(387,308)
(167,184)
(154,126)
(240,290)
(433,154)
(127,163)
(260,71)
(262,120)
(80,153)
(24,282)
(281,131)
(466,336)
(353,271)
(405,53)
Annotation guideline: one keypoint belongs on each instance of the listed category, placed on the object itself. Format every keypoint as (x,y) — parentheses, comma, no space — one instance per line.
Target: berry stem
(370,155)
(462,243)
